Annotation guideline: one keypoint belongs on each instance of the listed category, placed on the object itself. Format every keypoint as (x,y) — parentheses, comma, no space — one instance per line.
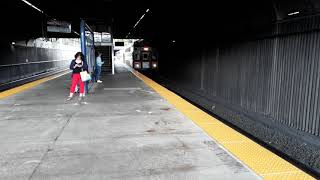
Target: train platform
(127,127)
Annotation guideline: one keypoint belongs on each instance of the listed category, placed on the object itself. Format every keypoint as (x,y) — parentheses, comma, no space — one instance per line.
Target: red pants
(75,79)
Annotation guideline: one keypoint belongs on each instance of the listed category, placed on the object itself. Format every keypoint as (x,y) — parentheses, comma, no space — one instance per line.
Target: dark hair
(98,53)
(79,54)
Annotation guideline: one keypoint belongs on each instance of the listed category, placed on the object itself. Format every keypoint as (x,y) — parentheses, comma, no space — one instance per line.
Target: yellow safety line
(262,161)
(27,86)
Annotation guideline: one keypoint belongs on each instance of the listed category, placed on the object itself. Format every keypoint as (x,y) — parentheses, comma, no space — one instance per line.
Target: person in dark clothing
(77,65)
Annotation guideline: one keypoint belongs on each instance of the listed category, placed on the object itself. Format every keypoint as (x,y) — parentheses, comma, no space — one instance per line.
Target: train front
(144,57)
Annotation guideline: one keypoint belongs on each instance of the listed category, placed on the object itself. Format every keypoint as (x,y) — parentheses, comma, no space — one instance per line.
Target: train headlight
(146,49)
(154,65)
(137,65)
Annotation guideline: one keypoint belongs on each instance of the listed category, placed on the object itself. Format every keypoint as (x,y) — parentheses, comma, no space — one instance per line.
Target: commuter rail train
(144,57)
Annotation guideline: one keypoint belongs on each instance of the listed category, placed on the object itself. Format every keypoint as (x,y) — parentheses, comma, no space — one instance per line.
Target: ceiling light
(293,13)
(32,5)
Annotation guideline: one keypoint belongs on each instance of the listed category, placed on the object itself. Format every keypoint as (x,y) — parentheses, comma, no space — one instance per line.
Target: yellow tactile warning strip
(27,86)
(262,161)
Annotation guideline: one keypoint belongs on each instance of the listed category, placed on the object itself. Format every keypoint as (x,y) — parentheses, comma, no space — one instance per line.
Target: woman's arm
(72,64)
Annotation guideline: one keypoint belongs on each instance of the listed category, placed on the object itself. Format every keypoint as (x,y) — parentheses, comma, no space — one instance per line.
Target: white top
(99,61)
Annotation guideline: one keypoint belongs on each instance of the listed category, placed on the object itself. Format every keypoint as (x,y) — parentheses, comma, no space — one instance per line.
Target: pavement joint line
(50,146)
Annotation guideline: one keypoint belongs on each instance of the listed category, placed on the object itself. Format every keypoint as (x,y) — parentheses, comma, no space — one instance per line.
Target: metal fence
(277,77)
(14,72)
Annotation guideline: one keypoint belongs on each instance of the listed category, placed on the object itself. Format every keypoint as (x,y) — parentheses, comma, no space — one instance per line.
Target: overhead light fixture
(174,41)
(293,13)
(32,5)
(138,22)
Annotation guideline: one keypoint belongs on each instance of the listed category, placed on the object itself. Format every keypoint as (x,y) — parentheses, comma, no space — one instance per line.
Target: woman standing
(77,65)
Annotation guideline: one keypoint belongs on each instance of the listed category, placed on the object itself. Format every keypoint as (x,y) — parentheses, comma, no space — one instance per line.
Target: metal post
(93,52)
(112,58)
(94,63)
(83,38)
(83,47)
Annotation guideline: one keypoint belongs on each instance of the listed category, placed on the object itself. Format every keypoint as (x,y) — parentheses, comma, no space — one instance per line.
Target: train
(144,56)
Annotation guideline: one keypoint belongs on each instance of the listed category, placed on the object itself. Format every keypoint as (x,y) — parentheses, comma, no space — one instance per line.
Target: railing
(15,72)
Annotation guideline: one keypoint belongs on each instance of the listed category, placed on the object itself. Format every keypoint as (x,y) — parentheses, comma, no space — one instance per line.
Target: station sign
(58,26)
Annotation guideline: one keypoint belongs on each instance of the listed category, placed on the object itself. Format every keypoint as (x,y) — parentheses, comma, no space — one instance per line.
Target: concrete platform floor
(123,130)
